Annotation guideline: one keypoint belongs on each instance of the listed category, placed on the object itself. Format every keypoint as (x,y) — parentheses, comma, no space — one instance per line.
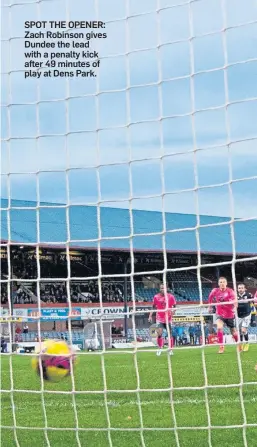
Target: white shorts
(244,322)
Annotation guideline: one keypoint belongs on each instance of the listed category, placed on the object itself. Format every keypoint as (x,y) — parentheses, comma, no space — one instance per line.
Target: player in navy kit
(244,314)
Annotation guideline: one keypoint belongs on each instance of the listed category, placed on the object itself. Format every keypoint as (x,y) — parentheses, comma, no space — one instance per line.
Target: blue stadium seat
(185,287)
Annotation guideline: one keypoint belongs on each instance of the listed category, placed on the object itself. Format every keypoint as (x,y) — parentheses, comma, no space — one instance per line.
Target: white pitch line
(120,403)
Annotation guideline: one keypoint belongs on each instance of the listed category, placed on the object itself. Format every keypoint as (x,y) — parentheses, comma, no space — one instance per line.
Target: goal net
(95,338)
(128,162)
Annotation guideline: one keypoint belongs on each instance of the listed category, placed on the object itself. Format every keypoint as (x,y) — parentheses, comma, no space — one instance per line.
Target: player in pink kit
(164,303)
(225,313)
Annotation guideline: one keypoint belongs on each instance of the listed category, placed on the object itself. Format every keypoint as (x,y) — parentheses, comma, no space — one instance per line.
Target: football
(54,360)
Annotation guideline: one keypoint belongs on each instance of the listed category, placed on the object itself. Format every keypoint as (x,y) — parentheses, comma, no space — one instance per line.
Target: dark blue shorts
(229,322)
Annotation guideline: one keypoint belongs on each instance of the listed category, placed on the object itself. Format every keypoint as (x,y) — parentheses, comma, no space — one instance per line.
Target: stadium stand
(116,223)
(112,293)
(78,335)
(144,294)
(185,288)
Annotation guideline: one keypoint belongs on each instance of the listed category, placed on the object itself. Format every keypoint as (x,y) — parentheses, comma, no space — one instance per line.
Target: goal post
(129,130)
(97,338)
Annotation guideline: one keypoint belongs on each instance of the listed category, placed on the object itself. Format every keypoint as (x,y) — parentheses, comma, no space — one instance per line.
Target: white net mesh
(166,124)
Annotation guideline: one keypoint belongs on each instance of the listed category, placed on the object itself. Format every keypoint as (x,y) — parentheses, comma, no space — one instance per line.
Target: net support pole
(126,299)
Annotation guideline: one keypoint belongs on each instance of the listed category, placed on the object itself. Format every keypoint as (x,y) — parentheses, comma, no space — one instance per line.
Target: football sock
(160,342)
(235,337)
(220,336)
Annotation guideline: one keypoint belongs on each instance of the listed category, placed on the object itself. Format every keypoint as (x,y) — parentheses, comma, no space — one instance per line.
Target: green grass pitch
(124,407)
